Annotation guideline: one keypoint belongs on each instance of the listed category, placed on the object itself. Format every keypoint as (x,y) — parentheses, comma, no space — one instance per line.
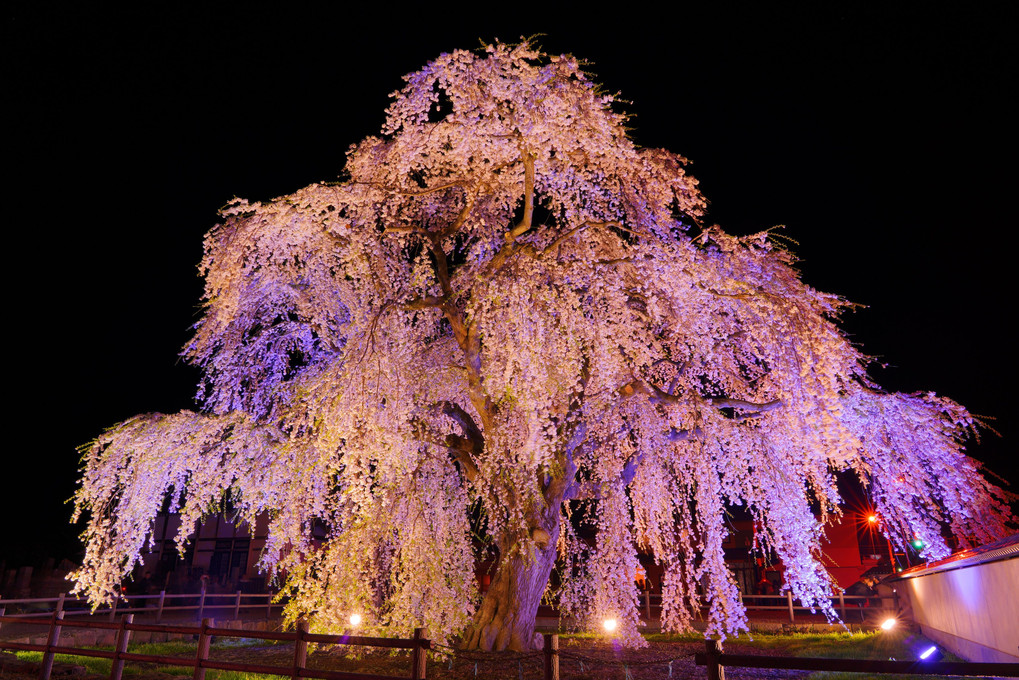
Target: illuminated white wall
(972,611)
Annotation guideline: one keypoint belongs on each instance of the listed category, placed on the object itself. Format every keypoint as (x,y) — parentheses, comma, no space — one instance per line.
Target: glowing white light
(930,650)
(888,624)
(872,519)
(610,625)
(355,619)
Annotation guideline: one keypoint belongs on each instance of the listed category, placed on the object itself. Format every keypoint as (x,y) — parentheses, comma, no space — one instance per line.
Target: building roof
(1006,548)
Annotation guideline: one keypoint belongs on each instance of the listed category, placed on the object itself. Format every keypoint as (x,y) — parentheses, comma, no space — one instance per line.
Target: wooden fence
(715,660)
(157,604)
(858,606)
(419,645)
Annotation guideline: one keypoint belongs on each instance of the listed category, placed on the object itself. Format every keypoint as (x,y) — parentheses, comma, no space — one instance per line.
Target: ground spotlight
(888,624)
(355,620)
(931,654)
(610,625)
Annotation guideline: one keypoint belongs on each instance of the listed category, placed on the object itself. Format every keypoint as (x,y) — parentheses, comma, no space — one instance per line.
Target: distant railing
(418,645)
(157,604)
(237,601)
(857,604)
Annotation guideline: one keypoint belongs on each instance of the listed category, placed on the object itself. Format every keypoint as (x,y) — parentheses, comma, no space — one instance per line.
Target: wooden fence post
(203,650)
(113,608)
(123,636)
(789,599)
(842,605)
(715,670)
(551,656)
(300,649)
(419,658)
(159,612)
(237,607)
(2,611)
(268,606)
(51,641)
(201,601)
(60,602)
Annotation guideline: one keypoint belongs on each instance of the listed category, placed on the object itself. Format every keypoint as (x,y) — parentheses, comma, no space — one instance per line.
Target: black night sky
(883,138)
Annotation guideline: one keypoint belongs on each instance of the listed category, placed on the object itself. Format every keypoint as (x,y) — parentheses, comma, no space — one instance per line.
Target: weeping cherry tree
(503,313)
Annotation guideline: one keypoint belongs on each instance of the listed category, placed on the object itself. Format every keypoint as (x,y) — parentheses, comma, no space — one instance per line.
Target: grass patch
(91,664)
(837,645)
(174,648)
(96,666)
(673,637)
(900,645)
(181,648)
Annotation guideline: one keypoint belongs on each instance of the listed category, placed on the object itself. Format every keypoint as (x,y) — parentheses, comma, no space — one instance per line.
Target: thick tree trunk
(506,617)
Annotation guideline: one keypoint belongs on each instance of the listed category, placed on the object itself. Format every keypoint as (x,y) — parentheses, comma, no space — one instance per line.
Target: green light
(917,543)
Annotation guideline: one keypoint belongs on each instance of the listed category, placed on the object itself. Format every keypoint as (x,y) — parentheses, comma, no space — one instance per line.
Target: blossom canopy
(505,311)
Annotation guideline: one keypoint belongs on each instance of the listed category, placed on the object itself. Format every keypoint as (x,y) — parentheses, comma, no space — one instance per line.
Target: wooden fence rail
(157,603)
(859,605)
(154,603)
(715,660)
(419,645)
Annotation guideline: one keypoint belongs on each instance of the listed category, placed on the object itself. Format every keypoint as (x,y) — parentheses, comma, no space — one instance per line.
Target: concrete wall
(973,611)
